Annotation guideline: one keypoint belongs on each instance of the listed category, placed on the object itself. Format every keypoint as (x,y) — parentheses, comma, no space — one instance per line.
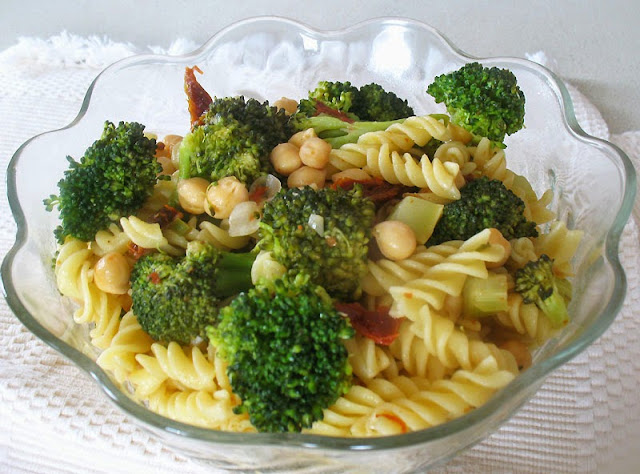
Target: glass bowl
(266,58)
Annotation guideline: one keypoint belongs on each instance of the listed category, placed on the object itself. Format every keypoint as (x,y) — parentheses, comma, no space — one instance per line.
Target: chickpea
(395,239)
(315,152)
(307,176)
(299,138)
(496,238)
(111,273)
(167,165)
(285,158)
(520,352)
(223,196)
(289,105)
(170,142)
(192,193)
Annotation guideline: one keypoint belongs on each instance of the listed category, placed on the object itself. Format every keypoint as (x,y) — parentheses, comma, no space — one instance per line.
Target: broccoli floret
(114,177)
(283,342)
(323,233)
(234,138)
(484,203)
(175,298)
(538,285)
(338,96)
(485,101)
(339,112)
(373,103)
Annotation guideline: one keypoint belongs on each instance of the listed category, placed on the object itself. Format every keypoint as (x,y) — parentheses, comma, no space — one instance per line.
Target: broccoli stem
(555,308)
(234,273)
(338,132)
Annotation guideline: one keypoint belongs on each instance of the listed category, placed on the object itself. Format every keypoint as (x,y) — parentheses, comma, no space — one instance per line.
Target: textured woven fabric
(53,418)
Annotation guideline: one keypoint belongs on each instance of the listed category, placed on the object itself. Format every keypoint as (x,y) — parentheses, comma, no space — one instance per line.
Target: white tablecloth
(53,418)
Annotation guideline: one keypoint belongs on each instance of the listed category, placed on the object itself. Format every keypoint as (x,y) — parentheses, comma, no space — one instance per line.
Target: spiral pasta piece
(400,137)
(440,178)
(384,273)
(560,244)
(188,368)
(111,239)
(448,277)
(492,162)
(74,258)
(456,152)
(148,235)
(522,252)
(452,346)
(120,357)
(414,355)
(212,410)
(525,319)
(443,401)
(367,359)
(216,235)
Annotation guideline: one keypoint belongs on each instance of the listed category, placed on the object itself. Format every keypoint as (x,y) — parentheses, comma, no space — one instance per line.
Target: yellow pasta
(444,400)
(560,244)
(367,359)
(440,178)
(526,319)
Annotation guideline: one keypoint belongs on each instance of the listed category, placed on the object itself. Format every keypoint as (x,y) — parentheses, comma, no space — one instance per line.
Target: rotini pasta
(438,177)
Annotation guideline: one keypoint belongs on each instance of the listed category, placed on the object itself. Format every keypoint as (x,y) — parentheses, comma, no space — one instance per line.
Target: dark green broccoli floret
(234,138)
(538,285)
(332,247)
(284,345)
(175,298)
(485,101)
(373,103)
(484,203)
(339,112)
(113,179)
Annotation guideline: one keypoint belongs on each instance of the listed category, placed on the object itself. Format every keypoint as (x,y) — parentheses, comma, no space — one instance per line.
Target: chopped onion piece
(271,184)
(316,222)
(244,219)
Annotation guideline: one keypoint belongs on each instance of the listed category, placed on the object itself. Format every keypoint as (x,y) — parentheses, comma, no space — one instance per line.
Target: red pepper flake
(376,325)
(408,295)
(376,189)
(258,194)
(136,251)
(166,216)
(154,278)
(395,419)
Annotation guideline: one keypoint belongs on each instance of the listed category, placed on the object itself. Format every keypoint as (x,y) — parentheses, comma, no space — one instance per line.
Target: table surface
(594,43)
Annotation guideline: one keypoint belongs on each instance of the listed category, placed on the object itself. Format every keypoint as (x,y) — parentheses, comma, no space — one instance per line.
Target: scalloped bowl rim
(533,375)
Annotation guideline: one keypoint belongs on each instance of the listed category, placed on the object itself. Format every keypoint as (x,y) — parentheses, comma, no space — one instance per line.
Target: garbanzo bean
(192,193)
(307,176)
(395,239)
(289,105)
(315,152)
(223,196)
(111,273)
(299,138)
(285,158)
